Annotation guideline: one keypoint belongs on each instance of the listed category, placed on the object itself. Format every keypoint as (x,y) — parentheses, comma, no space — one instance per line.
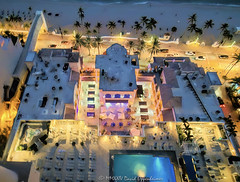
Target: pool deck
(170,154)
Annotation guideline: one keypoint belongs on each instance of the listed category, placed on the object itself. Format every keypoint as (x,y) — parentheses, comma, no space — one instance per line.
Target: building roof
(168,115)
(49,88)
(117,71)
(182,88)
(214,79)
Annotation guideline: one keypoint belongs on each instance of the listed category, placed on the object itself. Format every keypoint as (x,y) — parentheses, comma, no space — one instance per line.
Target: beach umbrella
(112,124)
(129,123)
(120,124)
(105,124)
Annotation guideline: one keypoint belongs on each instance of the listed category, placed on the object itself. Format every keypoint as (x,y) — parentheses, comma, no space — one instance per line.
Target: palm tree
(78,41)
(230,126)
(155,47)
(141,46)
(111,25)
(130,45)
(208,24)
(81,14)
(77,24)
(87,25)
(94,31)
(88,44)
(192,19)
(143,35)
(224,27)
(235,81)
(98,26)
(144,20)
(151,24)
(173,29)
(98,40)
(236,58)
(192,27)
(137,26)
(123,23)
(198,31)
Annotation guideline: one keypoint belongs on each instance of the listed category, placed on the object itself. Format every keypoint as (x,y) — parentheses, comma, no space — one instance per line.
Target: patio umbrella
(105,124)
(129,123)
(112,124)
(120,124)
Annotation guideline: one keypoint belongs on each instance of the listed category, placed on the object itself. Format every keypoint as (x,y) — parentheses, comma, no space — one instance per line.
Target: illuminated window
(117,95)
(108,96)
(126,95)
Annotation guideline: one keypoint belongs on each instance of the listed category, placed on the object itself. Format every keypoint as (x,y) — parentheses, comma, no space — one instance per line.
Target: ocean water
(209,2)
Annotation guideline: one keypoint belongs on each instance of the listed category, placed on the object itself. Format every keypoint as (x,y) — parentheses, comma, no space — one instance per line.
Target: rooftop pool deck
(153,166)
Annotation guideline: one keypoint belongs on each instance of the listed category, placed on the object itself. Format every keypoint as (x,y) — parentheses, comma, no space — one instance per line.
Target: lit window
(117,96)
(126,95)
(108,96)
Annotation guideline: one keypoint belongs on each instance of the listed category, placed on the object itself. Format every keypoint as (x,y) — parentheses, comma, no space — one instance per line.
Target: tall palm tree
(144,20)
(78,41)
(98,26)
(224,27)
(81,14)
(208,24)
(155,47)
(236,58)
(123,23)
(111,25)
(137,26)
(130,44)
(87,25)
(98,41)
(235,81)
(192,19)
(141,46)
(143,35)
(198,31)
(151,24)
(192,27)
(77,24)
(88,44)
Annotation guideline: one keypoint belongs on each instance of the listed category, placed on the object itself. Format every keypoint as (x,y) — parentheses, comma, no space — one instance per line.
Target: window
(90,114)
(108,96)
(126,95)
(117,96)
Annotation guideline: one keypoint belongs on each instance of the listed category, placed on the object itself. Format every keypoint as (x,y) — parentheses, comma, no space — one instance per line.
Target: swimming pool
(129,167)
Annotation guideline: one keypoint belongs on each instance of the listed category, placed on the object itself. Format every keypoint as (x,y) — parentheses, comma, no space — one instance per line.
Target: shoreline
(167,15)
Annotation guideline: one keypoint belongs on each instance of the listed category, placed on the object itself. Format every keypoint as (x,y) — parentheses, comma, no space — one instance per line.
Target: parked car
(52,45)
(221,102)
(64,42)
(202,58)
(223,56)
(164,50)
(190,53)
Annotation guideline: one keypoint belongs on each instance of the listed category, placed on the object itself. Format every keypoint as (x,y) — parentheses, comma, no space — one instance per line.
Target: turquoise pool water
(129,167)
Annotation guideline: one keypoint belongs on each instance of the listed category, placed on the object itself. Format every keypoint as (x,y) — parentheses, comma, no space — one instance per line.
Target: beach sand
(166,14)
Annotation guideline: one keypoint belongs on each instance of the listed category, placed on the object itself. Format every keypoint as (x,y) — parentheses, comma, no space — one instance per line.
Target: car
(52,45)
(200,58)
(223,56)
(164,50)
(221,103)
(64,42)
(190,53)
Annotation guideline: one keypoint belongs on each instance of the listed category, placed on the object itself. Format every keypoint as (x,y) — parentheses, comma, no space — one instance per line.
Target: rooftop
(214,79)
(117,69)
(49,88)
(186,88)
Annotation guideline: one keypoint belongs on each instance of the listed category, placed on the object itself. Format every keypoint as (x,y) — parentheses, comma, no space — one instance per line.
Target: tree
(144,20)
(123,23)
(230,126)
(26,25)
(235,81)
(87,25)
(141,46)
(30,8)
(77,24)
(155,47)
(151,24)
(88,43)
(236,60)
(98,26)
(98,40)
(130,44)
(173,29)
(137,26)
(111,26)
(94,31)
(81,14)
(224,27)
(208,24)
(143,35)
(78,41)
(192,19)
(192,27)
